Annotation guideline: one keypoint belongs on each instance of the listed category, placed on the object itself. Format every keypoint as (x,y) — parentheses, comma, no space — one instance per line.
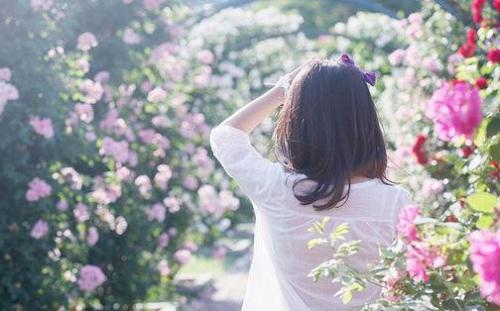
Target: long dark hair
(328,130)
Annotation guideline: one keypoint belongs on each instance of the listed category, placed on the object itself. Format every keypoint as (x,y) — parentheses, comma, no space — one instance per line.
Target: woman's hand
(251,115)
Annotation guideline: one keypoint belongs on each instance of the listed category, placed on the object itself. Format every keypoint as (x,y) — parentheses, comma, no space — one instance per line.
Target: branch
(214,9)
(454,9)
(370,6)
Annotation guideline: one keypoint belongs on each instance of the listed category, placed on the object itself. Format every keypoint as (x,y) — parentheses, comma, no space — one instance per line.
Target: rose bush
(107,185)
(442,83)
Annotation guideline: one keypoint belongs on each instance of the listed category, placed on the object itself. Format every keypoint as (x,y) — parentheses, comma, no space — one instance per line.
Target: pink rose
(42,126)
(37,189)
(182,256)
(43,5)
(205,56)
(157,211)
(90,278)
(40,229)
(163,267)
(485,257)
(92,236)
(406,225)
(157,95)
(163,240)
(455,110)
(5,74)
(81,212)
(86,41)
(131,37)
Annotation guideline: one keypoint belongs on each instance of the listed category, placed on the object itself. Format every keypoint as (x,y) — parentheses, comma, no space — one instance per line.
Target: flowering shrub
(107,185)
(443,87)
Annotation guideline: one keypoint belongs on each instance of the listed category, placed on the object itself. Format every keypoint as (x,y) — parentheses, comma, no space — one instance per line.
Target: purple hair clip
(369,76)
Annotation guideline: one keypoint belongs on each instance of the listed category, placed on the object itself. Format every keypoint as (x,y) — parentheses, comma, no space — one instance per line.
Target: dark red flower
(471,36)
(476,9)
(494,55)
(496,172)
(482,83)
(496,5)
(419,150)
(452,218)
(468,48)
(467,151)
(456,81)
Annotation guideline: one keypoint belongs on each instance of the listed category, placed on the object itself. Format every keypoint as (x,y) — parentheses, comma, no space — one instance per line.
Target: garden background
(110,198)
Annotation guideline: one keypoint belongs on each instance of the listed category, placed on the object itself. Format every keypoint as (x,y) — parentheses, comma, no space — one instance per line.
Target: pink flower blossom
(172,203)
(182,256)
(228,201)
(144,184)
(172,232)
(453,61)
(42,126)
(86,41)
(406,225)
(220,253)
(205,56)
(5,74)
(85,112)
(431,64)
(157,95)
(81,212)
(92,236)
(190,182)
(156,212)
(7,92)
(92,91)
(43,5)
(485,257)
(420,258)
(121,225)
(455,110)
(163,176)
(40,229)
(37,189)
(116,149)
(397,57)
(152,4)
(202,80)
(432,187)
(163,240)
(414,28)
(102,77)
(190,245)
(62,205)
(72,177)
(131,37)
(163,267)
(90,278)
(83,65)
(209,201)
(416,265)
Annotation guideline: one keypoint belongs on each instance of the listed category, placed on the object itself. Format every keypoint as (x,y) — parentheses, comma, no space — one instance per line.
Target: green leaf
(339,233)
(315,242)
(494,151)
(480,137)
(493,127)
(482,202)
(485,221)
(319,226)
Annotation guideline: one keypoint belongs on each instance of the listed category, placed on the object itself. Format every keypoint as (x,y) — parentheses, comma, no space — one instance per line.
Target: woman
(331,162)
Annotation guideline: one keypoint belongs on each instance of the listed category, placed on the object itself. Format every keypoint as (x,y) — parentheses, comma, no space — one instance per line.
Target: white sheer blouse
(281,261)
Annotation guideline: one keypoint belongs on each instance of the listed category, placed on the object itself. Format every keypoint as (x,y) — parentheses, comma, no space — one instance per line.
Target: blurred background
(109,195)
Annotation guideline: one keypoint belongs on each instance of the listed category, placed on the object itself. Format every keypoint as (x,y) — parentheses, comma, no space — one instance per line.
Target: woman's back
(278,277)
